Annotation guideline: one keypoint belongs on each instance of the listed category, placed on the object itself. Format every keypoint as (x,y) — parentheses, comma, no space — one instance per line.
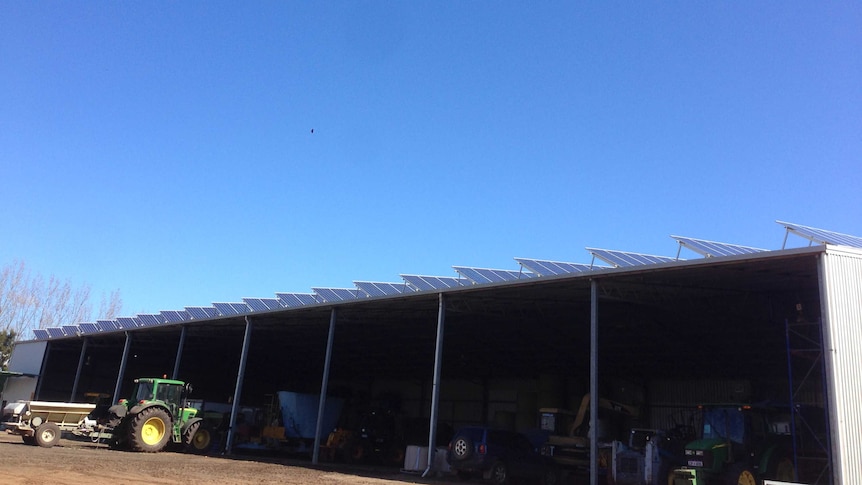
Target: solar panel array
(622,259)
(424,283)
(711,249)
(552,268)
(822,236)
(371,288)
(331,295)
(483,275)
(174,316)
(291,300)
(530,268)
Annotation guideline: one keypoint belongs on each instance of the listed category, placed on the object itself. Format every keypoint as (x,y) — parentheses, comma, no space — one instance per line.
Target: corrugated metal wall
(841,291)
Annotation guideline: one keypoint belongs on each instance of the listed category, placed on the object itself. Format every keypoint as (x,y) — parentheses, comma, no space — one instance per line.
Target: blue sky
(165,149)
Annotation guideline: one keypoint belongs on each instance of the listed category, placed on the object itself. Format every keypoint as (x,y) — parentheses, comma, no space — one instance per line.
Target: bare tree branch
(28,301)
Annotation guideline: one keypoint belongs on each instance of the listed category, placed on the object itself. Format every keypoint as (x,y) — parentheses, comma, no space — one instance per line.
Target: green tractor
(740,445)
(156,416)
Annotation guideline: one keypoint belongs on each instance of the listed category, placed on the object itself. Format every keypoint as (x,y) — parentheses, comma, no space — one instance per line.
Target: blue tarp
(299,414)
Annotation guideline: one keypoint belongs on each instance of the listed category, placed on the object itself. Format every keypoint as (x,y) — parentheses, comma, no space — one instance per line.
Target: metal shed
(737,314)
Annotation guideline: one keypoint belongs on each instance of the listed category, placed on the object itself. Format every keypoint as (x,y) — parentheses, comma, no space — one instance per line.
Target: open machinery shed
(734,324)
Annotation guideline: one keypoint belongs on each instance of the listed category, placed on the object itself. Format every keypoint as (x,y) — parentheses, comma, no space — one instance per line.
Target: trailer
(42,422)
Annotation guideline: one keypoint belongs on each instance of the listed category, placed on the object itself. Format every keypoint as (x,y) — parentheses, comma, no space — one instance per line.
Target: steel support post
(240,374)
(80,368)
(45,356)
(435,387)
(321,408)
(179,356)
(594,381)
(122,370)
(827,374)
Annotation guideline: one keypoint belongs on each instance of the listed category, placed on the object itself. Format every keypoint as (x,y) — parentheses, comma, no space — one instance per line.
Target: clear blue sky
(165,149)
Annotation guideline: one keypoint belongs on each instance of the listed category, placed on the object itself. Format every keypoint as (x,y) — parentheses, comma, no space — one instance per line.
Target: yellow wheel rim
(153,431)
(746,478)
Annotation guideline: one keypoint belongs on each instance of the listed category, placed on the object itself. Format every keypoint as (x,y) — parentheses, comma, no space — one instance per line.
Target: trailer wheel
(47,435)
(197,438)
(150,430)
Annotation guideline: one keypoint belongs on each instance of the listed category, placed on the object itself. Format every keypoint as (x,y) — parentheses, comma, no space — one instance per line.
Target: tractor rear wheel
(48,435)
(197,438)
(150,430)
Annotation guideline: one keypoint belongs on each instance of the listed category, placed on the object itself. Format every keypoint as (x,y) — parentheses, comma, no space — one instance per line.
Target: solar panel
(291,300)
(107,325)
(225,309)
(262,304)
(241,308)
(710,249)
(424,283)
(822,236)
(89,328)
(272,303)
(150,320)
(549,268)
(71,330)
(622,259)
(202,312)
(40,333)
(174,316)
(381,289)
(55,332)
(255,304)
(483,275)
(337,294)
(127,323)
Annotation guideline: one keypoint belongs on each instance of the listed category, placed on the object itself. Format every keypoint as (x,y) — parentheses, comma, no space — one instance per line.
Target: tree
(29,301)
(7,341)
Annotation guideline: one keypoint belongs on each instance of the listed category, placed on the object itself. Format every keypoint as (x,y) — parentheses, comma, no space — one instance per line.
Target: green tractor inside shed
(740,445)
(158,415)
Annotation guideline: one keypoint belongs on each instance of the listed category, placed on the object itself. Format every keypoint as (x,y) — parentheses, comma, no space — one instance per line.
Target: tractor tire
(197,438)
(741,475)
(47,435)
(150,430)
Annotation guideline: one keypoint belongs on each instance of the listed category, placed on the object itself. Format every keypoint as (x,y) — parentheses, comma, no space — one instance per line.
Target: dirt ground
(76,462)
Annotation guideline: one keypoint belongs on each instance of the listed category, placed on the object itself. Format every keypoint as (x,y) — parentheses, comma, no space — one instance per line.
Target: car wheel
(499,473)
(462,448)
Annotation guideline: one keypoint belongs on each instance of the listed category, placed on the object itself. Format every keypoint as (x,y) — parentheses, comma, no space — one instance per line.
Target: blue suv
(498,455)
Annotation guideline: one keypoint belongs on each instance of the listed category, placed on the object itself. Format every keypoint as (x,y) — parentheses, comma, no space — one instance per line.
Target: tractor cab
(169,393)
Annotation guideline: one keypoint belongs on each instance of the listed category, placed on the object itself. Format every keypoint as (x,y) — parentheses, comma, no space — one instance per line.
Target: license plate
(698,463)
